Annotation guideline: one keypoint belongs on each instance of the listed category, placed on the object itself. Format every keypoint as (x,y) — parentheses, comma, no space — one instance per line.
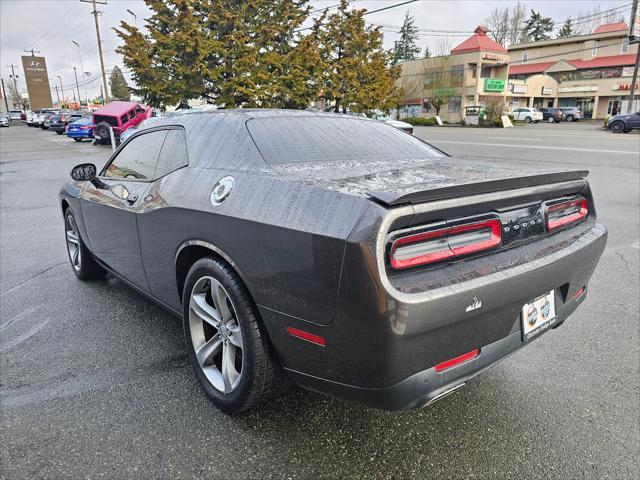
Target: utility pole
(58,95)
(634,37)
(14,77)
(95,17)
(77,87)
(61,89)
(4,94)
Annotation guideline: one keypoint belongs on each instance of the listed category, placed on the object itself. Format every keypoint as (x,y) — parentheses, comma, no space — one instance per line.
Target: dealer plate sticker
(538,315)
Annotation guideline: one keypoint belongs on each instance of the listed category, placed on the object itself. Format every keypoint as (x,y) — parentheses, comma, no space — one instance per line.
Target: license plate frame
(538,315)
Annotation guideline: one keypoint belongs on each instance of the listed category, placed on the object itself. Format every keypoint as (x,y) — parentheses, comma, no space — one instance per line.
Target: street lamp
(79,54)
(61,90)
(135,18)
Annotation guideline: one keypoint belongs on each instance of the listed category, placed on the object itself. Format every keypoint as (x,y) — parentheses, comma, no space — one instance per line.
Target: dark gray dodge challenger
(340,252)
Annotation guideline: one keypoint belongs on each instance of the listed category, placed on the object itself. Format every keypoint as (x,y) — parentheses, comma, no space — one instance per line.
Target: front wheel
(58,132)
(83,264)
(78,139)
(569,118)
(226,341)
(617,127)
(551,120)
(527,119)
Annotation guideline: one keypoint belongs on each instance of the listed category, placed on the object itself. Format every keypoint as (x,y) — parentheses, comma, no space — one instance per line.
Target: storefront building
(592,72)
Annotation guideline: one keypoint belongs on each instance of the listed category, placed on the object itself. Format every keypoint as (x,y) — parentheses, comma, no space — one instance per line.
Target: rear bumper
(422,388)
(381,349)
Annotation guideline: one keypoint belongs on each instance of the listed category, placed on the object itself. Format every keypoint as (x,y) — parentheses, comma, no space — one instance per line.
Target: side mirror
(84,172)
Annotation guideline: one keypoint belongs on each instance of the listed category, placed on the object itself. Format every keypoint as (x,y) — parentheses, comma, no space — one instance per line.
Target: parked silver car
(572,114)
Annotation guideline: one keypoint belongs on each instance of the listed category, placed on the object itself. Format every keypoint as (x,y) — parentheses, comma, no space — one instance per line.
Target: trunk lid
(414,181)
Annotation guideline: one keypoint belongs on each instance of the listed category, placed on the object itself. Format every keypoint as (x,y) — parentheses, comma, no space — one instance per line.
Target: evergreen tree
(538,27)
(407,47)
(354,73)
(118,84)
(567,29)
(232,53)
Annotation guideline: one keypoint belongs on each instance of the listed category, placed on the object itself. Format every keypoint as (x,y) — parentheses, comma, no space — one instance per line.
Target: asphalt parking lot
(95,381)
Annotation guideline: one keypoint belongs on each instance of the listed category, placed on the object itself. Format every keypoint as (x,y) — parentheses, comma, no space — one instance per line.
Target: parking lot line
(515,145)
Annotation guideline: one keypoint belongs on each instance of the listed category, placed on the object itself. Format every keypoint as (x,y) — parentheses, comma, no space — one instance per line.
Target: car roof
(116,108)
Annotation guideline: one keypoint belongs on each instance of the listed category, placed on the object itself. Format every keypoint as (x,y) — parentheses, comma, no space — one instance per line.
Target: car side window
(124,119)
(173,154)
(138,110)
(132,114)
(138,158)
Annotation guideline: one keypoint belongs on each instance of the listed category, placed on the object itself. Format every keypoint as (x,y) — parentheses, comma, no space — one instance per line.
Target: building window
(485,72)
(525,56)
(457,71)
(426,105)
(594,51)
(625,45)
(473,67)
(454,104)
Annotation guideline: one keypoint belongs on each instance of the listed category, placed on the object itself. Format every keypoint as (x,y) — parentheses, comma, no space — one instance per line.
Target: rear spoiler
(391,198)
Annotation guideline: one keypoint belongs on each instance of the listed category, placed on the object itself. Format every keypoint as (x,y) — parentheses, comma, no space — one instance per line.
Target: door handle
(132,198)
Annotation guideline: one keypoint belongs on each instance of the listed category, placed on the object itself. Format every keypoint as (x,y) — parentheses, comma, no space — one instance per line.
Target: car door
(111,202)
(516,114)
(634,121)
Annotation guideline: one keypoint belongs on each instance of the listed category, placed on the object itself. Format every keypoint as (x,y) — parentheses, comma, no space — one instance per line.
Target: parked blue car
(81,128)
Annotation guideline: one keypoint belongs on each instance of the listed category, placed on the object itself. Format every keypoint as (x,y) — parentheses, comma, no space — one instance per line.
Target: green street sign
(493,84)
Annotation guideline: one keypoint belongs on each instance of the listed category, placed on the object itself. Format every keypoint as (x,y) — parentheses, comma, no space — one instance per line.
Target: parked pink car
(120,116)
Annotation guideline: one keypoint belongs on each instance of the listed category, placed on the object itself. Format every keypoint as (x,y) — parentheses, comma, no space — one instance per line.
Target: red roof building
(479,42)
(611,27)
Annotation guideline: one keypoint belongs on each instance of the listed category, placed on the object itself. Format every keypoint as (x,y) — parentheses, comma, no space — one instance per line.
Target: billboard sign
(35,74)
(634,27)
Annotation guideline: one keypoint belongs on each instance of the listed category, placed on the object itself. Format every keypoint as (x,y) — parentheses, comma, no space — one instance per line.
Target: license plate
(538,315)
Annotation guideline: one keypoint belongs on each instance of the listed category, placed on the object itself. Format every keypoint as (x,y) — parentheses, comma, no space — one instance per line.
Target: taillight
(565,213)
(88,127)
(445,243)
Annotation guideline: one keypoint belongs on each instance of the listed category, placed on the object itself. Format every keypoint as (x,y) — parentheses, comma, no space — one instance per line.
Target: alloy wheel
(73,243)
(215,334)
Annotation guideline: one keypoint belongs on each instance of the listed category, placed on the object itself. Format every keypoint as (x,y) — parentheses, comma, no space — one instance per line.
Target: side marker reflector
(457,360)
(309,337)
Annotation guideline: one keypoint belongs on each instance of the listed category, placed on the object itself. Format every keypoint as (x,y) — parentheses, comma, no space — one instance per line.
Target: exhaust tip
(440,396)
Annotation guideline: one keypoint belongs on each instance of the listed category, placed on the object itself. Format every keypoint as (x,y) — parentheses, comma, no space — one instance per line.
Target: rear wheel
(570,118)
(102,130)
(617,127)
(83,264)
(551,120)
(58,132)
(527,119)
(226,342)
(78,139)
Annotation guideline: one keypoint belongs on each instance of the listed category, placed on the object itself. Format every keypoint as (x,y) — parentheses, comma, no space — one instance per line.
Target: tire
(617,127)
(570,118)
(527,119)
(58,132)
(628,130)
(260,376)
(77,139)
(102,130)
(84,266)
(551,120)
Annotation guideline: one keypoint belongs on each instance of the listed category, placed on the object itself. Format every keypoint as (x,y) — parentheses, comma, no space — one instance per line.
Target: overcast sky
(51,25)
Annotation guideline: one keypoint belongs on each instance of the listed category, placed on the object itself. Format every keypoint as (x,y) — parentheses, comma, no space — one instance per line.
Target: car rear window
(320,139)
(113,121)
